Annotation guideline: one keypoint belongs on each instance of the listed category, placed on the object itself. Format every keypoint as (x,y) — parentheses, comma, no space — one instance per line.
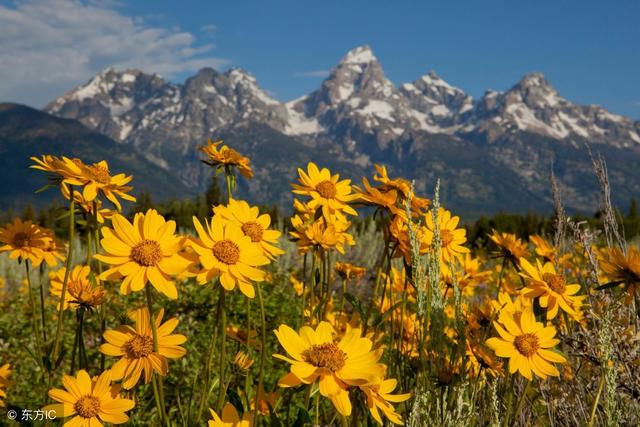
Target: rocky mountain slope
(26,132)
(493,153)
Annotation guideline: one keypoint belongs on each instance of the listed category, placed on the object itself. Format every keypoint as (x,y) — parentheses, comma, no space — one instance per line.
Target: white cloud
(209,29)
(315,73)
(50,46)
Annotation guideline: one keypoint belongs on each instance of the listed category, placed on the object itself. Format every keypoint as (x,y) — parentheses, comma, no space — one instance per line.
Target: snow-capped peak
(534,79)
(431,78)
(359,55)
(242,78)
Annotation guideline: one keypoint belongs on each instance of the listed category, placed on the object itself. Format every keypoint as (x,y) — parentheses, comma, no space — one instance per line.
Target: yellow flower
(620,268)
(391,194)
(52,251)
(145,251)
(543,247)
(226,252)
(505,306)
(451,238)
(467,275)
(551,288)
(510,245)
(226,157)
(230,418)
(528,346)
(88,206)
(265,400)
(93,179)
(481,361)
(372,196)
(5,371)
(241,335)
(92,401)
(135,347)
(325,190)
(80,291)
(298,286)
(252,224)
(24,240)
(378,398)
(399,229)
(399,184)
(324,233)
(243,361)
(315,356)
(349,271)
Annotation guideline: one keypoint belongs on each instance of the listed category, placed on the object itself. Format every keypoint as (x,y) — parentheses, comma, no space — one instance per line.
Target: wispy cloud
(209,29)
(50,46)
(314,73)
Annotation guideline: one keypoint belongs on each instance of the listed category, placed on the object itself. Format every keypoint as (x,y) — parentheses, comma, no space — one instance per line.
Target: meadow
(370,305)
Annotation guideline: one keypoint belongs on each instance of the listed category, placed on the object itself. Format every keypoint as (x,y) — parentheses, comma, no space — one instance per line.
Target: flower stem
(82,354)
(63,293)
(520,403)
(156,381)
(592,418)
(96,241)
(263,351)
(34,321)
(223,349)
(227,175)
(204,397)
(42,309)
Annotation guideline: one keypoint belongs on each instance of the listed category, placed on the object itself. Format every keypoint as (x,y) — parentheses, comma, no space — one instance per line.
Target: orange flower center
(253,230)
(327,189)
(146,253)
(21,239)
(527,344)
(226,252)
(139,346)
(87,406)
(446,237)
(327,355)
(555,281)
(99,174)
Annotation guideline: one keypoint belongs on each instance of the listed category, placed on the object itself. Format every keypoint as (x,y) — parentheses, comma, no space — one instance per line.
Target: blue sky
(587,49)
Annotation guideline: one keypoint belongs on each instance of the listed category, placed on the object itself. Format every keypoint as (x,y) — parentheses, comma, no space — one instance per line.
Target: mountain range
(492,153)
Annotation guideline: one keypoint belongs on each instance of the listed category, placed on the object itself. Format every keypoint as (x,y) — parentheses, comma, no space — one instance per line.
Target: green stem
(223,350)
(304,286)
(34,321)
(63,294)
(204,397)
(75,346)
(248,322)
(263,352)
(520,403)
(96,241)
(82,354)
(227,174)
(313,285)
(42,309)
(154,331)
(594,407)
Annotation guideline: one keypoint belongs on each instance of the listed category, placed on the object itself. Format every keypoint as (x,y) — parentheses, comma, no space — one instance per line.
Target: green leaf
(43,188)
(273,418)
(610,285)
(355,303)
(302,418)
(235,400)
(378,319)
